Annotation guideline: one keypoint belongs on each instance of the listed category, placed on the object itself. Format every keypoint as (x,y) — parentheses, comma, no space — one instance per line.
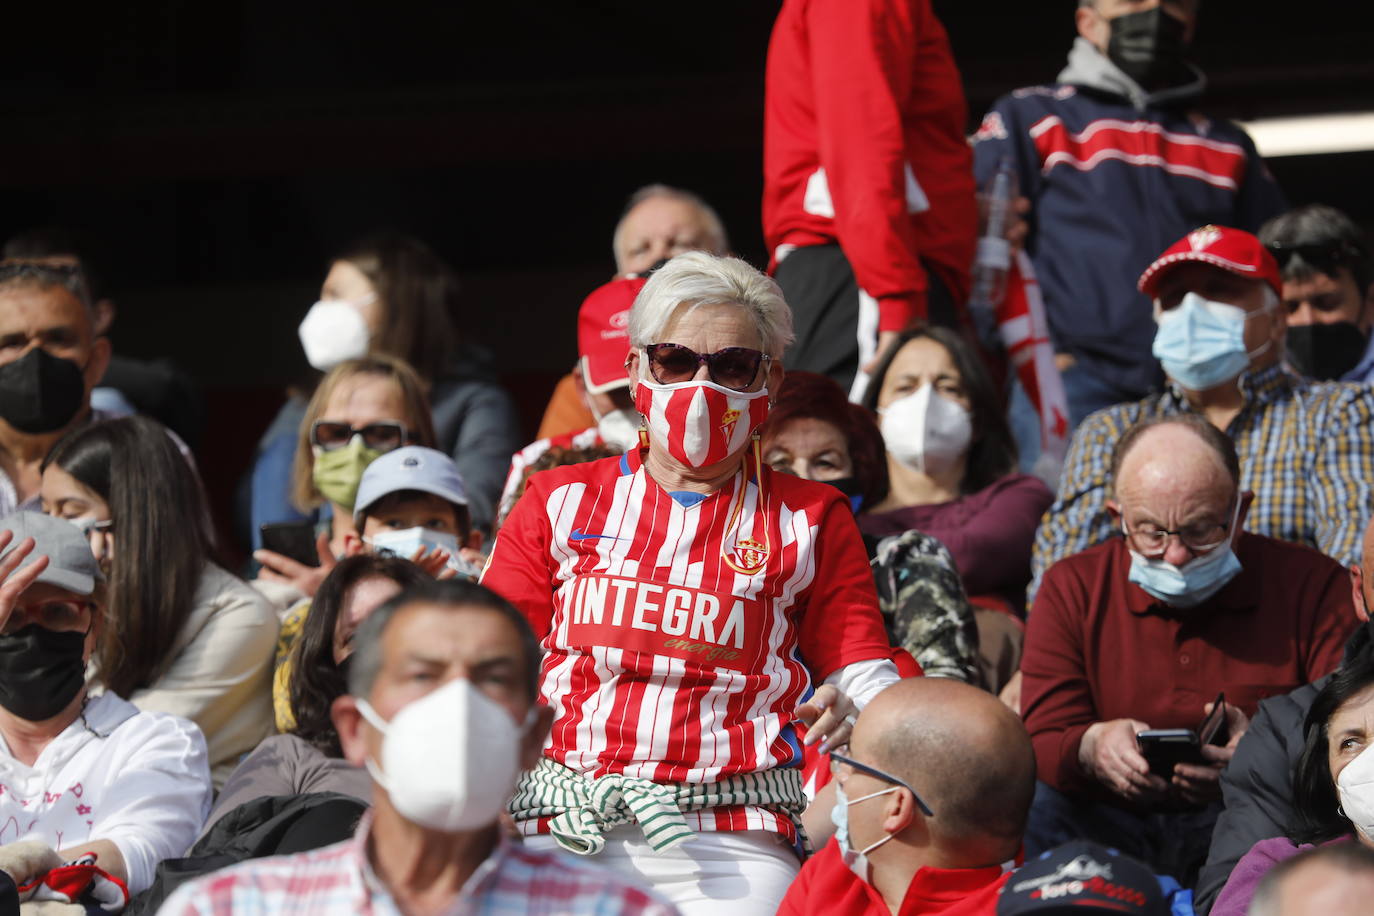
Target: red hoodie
(864,145)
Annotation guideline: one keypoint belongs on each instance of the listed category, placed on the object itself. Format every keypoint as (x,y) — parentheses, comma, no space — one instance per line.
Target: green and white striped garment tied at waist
(582,809)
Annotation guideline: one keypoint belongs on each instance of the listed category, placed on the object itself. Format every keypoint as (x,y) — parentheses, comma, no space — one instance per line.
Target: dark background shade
(221,152)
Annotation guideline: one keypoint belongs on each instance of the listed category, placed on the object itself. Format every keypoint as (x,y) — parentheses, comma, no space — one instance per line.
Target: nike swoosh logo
(578,535)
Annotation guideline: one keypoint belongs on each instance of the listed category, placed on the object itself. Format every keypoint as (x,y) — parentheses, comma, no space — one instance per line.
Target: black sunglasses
(383,436)
(731,367)
(1326,259)
(885,777)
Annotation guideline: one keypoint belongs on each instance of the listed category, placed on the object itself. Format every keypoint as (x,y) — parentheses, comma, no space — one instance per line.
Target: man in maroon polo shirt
(1143,631)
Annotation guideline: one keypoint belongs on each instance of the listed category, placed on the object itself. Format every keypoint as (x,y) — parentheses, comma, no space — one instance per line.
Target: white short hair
(698,278)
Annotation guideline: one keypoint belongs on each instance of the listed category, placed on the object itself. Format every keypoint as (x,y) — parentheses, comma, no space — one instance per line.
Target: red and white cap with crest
(1221,246)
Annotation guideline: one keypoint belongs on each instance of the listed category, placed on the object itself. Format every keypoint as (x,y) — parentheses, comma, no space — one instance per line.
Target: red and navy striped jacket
(1111,186)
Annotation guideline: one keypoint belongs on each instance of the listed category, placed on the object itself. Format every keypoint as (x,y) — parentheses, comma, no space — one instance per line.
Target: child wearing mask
(410,503)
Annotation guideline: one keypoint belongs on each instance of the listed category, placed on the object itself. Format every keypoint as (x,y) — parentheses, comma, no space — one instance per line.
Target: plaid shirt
(339,879)
(1306,449)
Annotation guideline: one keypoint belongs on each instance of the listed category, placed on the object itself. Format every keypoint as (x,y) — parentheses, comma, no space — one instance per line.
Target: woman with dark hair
(951,462)
(392,295)
(184,636)
(812,431)
(308,758)
(1333,784)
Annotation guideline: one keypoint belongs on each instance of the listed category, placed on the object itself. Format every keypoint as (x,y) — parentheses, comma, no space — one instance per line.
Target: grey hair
(452,593)
(23,272)
(697,278)
(719,241)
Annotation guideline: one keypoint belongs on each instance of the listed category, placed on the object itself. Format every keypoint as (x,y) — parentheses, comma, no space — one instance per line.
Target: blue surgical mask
(856,860)
(1192,583)
(1202,343)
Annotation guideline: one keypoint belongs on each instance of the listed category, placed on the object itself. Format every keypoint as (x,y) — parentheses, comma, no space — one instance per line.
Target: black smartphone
(1162,748)
(292,539)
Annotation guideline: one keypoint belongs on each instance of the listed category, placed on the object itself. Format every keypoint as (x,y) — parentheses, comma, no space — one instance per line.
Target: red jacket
(826,887)
(863,145)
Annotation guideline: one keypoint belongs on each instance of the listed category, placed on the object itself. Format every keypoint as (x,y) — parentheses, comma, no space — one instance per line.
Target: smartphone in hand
(292,539)
(1163,748)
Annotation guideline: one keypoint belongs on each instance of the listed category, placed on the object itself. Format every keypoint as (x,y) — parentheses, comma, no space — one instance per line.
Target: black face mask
(1325,351)
(40,671)
(850,487)
(40,393)
(1148,47)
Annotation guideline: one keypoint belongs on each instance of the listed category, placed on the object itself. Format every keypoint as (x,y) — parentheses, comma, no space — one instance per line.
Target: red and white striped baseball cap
(1221,246)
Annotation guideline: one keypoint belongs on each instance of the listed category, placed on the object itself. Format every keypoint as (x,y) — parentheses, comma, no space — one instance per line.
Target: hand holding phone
(294,540)
(1164,748)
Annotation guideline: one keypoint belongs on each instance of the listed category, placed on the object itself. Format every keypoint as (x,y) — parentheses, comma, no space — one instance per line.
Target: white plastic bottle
(992,260)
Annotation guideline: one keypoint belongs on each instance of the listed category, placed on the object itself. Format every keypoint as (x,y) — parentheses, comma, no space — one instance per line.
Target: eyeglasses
(383,436)
(59,615)
(1201,537)
(731,367)
(837,757)
(1326,259)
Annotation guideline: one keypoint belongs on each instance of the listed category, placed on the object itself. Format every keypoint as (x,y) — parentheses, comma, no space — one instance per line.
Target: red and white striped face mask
(699,422)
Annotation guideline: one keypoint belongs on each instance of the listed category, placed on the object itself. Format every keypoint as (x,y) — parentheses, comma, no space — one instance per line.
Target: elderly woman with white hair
(694,605)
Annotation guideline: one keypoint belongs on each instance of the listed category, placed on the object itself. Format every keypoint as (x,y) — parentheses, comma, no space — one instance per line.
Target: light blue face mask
(1202,343)
(1192,583)
(857,860)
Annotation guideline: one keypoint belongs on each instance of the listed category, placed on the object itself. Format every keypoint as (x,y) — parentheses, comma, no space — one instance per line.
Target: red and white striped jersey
(665,660)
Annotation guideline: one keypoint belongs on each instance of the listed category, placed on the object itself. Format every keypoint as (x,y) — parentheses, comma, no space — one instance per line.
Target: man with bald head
(661,222)
(932,795)
(1145,630)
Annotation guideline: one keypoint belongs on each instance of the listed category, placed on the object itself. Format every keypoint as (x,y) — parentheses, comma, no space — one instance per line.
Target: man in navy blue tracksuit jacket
(1117,164)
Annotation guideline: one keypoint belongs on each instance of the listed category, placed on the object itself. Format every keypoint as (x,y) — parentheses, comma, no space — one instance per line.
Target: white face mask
(405,542)
(855,859)
(620,428)
(450,759)
(1356,788)
(334,331)
(926,431)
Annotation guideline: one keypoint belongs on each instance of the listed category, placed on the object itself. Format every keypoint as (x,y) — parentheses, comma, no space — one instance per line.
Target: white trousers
(740,872)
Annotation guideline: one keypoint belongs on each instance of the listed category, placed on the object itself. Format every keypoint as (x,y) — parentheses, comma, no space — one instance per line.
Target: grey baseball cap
(413,467)
(71,565)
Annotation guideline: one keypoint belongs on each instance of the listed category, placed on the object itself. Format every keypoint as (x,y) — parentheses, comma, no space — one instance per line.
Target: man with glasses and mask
(81,775)
(1306,448)
(1144,631)
(931,799)
(1328,292)
(1117,162)
(443,712)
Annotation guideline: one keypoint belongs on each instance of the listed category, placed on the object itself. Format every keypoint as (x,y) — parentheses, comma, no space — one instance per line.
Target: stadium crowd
(927,569)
